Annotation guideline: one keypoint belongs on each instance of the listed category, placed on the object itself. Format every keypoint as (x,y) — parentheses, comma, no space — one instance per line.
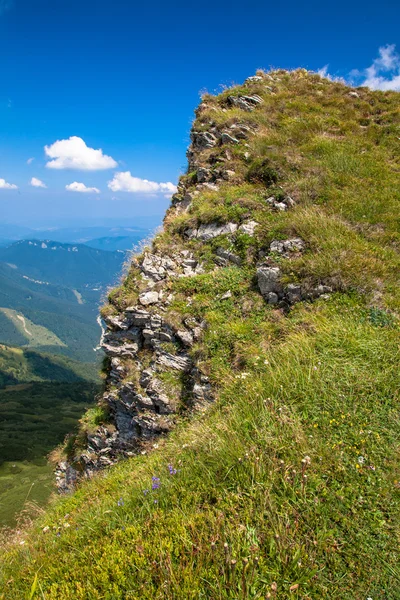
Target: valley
(50,294)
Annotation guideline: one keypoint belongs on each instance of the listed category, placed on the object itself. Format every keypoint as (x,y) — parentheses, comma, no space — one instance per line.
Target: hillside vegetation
(286,485)
(42,398)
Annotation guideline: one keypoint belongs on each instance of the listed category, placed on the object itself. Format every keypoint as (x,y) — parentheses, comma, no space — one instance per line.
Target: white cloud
(125,182)
(30,161)
(324,72)
(74,154)
(35,182)
(384,73)
(7,186)
(81,187)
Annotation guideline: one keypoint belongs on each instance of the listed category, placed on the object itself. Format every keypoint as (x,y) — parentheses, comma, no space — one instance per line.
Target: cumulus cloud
(384,73)
(73,153)
(7,186)
(30,161)
(81,187)
(35,182)
(125,182)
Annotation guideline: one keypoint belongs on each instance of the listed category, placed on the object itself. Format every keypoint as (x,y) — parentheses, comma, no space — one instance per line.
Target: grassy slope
(287,487)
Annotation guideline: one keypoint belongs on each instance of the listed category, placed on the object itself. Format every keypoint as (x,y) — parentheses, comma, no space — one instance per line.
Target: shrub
(260,171)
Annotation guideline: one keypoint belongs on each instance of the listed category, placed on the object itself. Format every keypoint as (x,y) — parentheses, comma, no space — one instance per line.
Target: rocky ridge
(141,343)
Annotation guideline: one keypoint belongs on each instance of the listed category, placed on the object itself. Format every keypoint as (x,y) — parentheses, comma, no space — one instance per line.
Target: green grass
(288,486)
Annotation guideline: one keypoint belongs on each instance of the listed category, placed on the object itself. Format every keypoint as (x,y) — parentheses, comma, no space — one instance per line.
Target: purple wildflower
(156,483)
(120,502)
(171,470)
(145,492)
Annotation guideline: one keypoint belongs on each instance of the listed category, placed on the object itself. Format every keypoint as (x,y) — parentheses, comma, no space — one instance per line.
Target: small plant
(380,318)
(260,171)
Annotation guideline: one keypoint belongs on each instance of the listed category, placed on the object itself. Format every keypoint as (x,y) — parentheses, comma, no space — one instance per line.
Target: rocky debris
(248,227)
(149,298)
(269,283)
(228,257)
(293,293)
(66,477)
(172,361)
(226,296)
(271,288)
(228,175)
(117,370)
(254,79)
(287,247)
(354,94)
(185,337)
(247,103)
(207,231)
(201,140)
(116,322)
(203,175)
(226,138)
(157,267)
(282,205)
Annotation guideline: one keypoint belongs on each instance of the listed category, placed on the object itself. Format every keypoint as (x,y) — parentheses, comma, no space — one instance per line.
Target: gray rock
(272,298)
(254,79)
(226,138)
(227,295)
(287,246)
(293,293)
(203,175)
(229,256)
(202,140)
(247,103)
(171,361)
(228,175)
(269,280)
(211,230)
(148,298)
(185,337)
(202,393)
(248,227)
(139,318)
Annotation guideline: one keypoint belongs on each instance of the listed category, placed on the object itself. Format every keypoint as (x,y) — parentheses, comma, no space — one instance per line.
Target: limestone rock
(229,256)
(269,280)
(171,361)
(248,227)
(287,246)
(207,231)
(226,138)
(202,140)
(148,298)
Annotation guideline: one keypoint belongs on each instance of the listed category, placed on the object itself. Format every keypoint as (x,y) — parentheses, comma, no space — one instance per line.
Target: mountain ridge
(260,331)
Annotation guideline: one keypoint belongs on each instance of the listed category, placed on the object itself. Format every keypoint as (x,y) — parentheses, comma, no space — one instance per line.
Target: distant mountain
(50,295)
(71,265)
(79,234)
(111,244)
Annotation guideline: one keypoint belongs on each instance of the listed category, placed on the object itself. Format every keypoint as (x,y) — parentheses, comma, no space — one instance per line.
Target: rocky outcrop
(152,375)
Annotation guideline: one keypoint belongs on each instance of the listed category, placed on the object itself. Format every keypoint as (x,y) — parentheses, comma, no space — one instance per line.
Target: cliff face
(229,213)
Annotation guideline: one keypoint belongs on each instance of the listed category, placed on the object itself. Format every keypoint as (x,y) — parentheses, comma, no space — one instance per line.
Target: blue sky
(125,77)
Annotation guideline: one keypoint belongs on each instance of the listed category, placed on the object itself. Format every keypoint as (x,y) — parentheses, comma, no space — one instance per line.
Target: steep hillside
(261,330)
